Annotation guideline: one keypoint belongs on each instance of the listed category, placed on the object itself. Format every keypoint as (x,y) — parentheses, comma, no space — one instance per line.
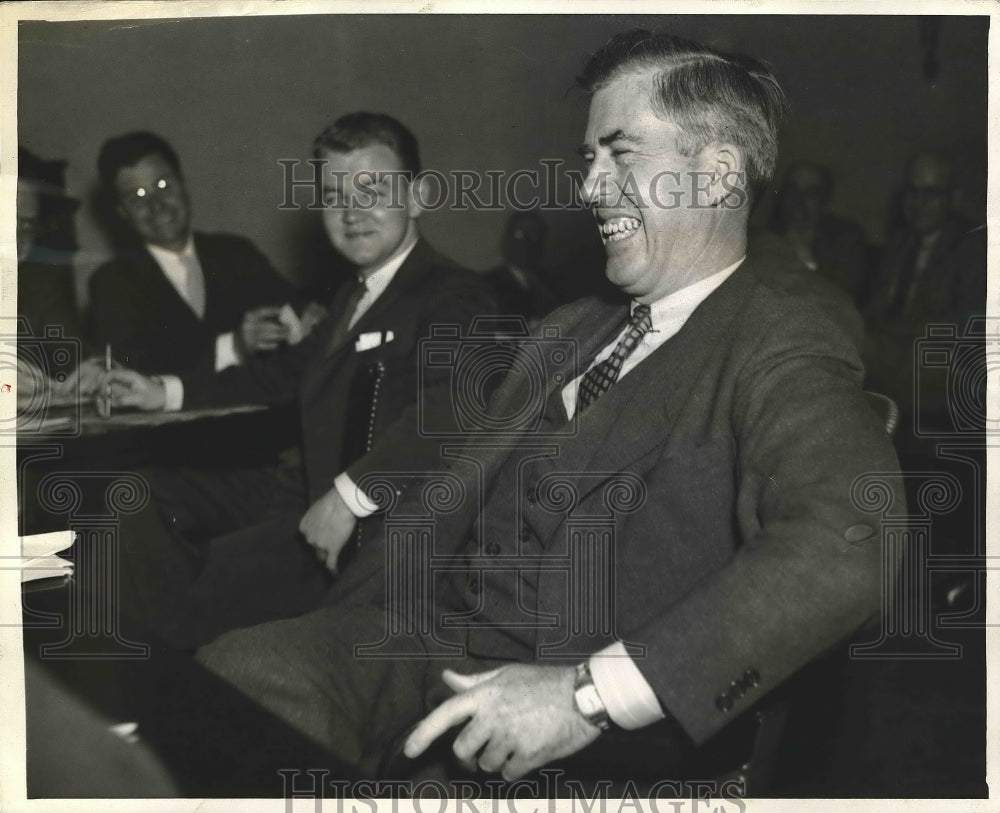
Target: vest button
(473,584)
(524,534)
(492,549)
(531,495)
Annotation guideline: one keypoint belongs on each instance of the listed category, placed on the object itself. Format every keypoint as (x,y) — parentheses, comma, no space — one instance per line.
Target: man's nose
(597,185)
(351,214)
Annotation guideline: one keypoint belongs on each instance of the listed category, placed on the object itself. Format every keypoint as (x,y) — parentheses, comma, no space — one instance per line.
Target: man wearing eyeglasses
(175,300)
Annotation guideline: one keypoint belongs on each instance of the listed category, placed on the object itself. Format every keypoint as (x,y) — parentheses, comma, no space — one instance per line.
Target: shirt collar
(161,254)
(379,279)
(681,304)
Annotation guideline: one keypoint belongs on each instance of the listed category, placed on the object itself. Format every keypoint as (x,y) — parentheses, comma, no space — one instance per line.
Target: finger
(268,311)
(448,714)
(495,755)
(470,742)
(517,766)
(127,399)
(126,377)
(272,333)
(462,683)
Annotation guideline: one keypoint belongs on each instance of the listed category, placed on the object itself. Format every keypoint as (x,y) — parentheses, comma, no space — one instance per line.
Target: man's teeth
(619,229)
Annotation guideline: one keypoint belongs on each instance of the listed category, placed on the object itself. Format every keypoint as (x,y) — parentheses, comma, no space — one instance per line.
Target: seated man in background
(223,549)
(933,271)
(517,283)
(46,291)
(803,229)
(715,424)
(172,299)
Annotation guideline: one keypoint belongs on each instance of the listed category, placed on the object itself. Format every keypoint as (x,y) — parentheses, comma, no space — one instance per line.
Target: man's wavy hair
(356,130)
(711,96)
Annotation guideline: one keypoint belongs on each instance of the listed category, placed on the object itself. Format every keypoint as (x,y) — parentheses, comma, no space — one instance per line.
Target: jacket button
(751,678)
(532,495)
(492,549)
(473,585)
(723,702)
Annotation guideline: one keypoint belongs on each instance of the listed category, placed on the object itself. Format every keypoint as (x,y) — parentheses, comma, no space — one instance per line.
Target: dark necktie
(600,377)
(344,320)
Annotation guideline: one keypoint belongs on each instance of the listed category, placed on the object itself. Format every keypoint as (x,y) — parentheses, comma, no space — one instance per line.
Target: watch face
(589,701)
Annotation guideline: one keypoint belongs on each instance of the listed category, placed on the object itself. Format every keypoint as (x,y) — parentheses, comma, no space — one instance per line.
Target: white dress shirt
(375,283)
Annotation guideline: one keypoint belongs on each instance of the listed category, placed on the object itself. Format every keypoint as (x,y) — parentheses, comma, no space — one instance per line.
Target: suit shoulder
(115,272)
(224,241)
(787,296)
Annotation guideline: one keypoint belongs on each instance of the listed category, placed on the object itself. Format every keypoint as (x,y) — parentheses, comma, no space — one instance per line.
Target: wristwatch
(587,700)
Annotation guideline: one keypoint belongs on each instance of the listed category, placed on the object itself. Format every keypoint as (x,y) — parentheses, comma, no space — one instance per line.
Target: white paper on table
(38,555)
(45,568)
(37,545)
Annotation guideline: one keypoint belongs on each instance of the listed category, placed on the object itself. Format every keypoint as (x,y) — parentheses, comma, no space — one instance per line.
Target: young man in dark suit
(248,546)
(669,535)
(173,300)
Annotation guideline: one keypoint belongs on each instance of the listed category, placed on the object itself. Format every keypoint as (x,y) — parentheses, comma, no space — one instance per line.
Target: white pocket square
(368,341)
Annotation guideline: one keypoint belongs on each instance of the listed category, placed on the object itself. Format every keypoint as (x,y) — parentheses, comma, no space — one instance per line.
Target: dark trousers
(214,550)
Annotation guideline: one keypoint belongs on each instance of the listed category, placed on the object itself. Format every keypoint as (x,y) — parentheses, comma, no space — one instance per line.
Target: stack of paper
(38,555)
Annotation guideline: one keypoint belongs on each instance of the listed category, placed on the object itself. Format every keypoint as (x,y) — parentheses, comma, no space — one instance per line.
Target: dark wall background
(481,92)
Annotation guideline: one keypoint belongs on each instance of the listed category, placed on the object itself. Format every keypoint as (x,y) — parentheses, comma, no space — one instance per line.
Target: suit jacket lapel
(638,414)
(159,289)
(409,275)
(596,323)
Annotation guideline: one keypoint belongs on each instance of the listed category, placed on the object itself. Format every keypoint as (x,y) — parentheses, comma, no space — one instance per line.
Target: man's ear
(418,193)
(727,164)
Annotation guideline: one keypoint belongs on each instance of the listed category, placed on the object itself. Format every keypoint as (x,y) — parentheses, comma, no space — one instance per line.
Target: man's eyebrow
(610,138)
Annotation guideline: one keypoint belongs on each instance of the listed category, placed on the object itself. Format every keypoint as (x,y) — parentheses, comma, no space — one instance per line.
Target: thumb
(462,683)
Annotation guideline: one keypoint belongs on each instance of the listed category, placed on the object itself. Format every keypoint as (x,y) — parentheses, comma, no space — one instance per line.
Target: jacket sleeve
(267,378)
(809,571)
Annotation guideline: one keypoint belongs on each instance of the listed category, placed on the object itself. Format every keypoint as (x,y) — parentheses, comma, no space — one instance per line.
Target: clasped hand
(327,526)
(517,719)
(261,329)
(127,388)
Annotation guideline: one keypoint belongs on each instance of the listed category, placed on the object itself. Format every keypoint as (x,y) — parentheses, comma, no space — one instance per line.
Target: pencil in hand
(107,381)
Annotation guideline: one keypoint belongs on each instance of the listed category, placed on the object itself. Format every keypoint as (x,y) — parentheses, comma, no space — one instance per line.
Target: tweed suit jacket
(738,552)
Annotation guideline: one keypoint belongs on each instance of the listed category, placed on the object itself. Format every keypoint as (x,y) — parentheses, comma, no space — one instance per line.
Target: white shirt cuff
(225,351)
(357,501)
(628,697)
(174,391)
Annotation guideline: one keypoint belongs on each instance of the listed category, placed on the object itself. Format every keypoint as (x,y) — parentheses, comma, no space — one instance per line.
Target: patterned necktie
(600,377)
